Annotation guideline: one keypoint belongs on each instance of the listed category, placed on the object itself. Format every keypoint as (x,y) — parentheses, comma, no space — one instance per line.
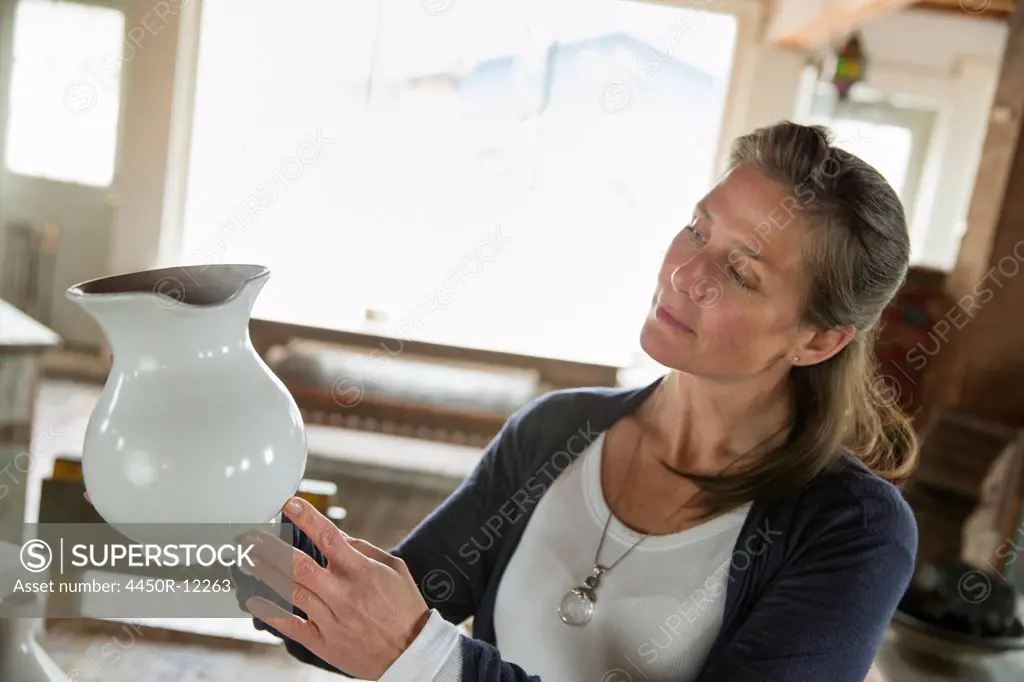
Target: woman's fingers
(288,624)
(87,498)
(360,612)
(341,556)
(374,552)
(307,596)
(284,562)
(270,550)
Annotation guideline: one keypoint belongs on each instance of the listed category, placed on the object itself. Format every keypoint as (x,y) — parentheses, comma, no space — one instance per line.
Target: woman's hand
(363,610)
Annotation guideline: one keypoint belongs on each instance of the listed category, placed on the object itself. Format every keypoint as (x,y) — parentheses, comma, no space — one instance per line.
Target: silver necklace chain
(598,568)
(578,604)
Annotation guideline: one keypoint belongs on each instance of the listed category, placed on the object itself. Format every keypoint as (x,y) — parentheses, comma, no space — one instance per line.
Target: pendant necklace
(578,604)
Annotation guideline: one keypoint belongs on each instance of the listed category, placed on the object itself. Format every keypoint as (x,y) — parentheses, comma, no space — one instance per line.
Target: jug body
(192,427)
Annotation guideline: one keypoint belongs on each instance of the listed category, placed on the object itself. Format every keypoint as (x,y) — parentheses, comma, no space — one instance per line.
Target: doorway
(60,69)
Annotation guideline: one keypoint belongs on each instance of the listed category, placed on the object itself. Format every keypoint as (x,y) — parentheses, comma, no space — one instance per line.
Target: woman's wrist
(428,653)
(414,633)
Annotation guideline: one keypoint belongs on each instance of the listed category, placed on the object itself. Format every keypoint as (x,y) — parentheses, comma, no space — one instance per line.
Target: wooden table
(22,341)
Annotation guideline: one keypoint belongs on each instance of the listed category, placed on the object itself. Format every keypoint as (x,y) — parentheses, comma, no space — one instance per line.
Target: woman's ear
(821,344)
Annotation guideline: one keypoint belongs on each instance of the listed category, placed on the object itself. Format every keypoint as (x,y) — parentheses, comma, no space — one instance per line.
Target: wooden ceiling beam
(803,24)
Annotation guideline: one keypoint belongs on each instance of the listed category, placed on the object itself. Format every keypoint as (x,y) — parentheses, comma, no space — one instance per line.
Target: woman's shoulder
(848,502)
(559,413)
(546,433)
(585,398)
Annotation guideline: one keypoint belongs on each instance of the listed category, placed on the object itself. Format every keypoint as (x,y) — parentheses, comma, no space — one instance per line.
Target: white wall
(931,41)
(158,86)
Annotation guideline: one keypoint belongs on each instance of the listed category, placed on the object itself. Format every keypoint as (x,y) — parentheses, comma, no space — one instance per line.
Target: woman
(735,520)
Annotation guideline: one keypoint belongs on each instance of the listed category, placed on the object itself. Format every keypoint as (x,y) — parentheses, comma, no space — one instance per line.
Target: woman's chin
(664,348)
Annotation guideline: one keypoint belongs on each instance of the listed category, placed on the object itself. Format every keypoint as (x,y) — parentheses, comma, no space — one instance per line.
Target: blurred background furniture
(28,267)
(410,388)
(965,605)
(957,452)
(22,341)
(908,335)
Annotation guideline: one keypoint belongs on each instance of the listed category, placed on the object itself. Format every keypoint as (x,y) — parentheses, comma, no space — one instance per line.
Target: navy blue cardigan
(813,583)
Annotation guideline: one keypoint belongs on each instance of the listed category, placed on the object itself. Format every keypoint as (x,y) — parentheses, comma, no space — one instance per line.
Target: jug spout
(173,304)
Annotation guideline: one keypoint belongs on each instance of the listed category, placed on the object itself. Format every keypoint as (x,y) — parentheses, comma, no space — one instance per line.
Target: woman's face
(732,286)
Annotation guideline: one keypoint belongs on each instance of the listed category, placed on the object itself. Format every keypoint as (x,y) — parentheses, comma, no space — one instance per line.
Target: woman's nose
(684,274)
(678,280)
(693,280)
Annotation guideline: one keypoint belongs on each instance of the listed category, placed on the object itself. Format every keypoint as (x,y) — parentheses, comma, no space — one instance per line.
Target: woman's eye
(737,277)
(692,229)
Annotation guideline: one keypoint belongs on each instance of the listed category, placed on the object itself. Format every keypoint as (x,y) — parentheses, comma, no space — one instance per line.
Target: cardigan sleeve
(453,551)
(482,662)
(450,569)
(824,616)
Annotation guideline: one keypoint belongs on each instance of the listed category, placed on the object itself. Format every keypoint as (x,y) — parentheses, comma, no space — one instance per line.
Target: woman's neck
(702,425)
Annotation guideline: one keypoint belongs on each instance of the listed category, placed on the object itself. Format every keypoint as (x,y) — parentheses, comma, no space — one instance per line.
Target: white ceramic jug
(192,427)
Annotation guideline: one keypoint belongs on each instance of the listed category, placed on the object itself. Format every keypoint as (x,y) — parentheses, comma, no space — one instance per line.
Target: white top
(658,611)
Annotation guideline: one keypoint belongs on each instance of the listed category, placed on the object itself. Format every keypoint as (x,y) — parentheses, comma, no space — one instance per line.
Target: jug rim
(200,286)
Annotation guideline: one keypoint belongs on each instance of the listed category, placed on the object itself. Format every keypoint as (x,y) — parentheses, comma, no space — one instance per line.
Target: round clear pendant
(577,606)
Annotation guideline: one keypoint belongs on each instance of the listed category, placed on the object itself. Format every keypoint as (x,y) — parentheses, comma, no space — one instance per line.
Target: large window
(65,88)
(479,173)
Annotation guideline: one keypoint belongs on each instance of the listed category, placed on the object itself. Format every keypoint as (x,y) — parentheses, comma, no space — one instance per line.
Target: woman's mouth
(671,321)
